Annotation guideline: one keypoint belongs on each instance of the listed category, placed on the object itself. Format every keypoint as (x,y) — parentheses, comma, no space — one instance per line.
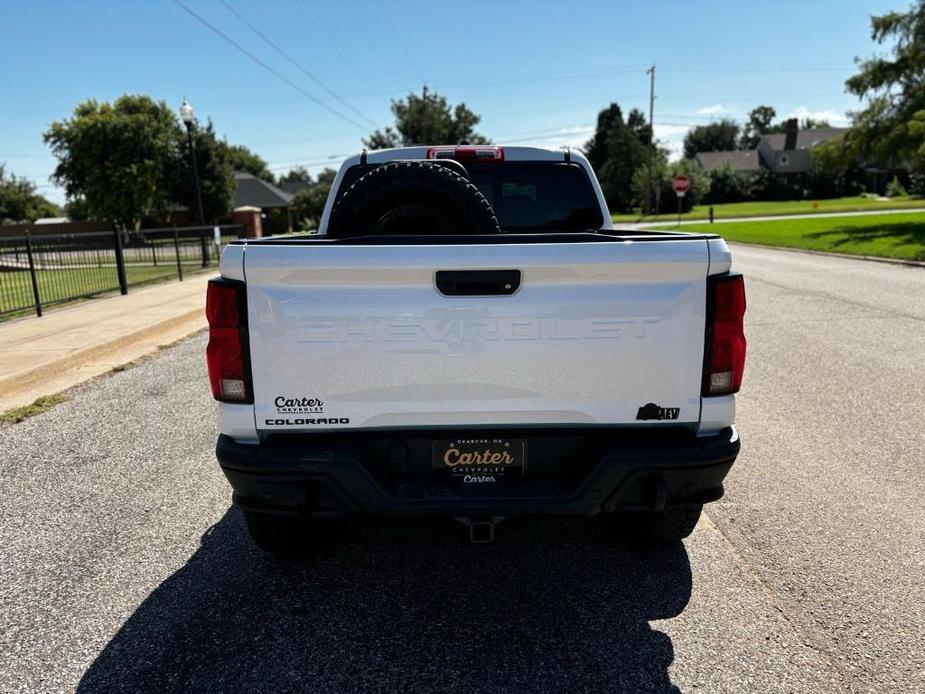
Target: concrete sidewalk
(770,218)
(42,356)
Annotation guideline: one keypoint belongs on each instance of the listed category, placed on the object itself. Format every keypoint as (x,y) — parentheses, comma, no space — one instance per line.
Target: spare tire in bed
(412,198)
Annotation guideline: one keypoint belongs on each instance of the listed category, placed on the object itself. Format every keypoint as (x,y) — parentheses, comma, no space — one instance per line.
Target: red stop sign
(681,184)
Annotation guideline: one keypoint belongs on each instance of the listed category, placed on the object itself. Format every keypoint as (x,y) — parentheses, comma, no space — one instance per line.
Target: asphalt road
(122,567)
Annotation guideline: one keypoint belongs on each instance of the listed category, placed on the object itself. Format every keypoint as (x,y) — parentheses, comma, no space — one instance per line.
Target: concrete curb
(77,367)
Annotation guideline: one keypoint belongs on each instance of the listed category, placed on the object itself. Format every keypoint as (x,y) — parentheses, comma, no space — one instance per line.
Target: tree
(114,155)
(720,136)
(727,185)
(663,174)
(616,150)
(128,162)
(243,159)
(891,127)
(327,175)
(76,210)
(295,175)
(636,121)
(18,200)
(427,119)
(810,123)
(119,157)
(835,170)
(309,202)
(386,138)
(40,206)
(759,123)
(216,174)
(642,186)
(596,147)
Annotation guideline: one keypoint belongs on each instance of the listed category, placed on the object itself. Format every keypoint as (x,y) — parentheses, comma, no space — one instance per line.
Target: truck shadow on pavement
(407,606)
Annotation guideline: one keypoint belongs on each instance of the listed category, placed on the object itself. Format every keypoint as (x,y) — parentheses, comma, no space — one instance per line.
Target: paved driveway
(123,569)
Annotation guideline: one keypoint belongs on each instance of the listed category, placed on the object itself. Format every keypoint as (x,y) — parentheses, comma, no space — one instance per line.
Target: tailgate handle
(477,282)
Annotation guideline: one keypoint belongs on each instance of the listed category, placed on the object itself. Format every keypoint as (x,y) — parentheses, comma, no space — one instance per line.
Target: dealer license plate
(480,460)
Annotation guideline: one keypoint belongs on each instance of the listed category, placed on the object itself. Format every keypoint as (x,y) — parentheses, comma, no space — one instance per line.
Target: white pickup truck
(468,336)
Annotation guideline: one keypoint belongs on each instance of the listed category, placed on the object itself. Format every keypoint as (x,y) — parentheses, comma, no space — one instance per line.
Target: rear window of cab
(528,195)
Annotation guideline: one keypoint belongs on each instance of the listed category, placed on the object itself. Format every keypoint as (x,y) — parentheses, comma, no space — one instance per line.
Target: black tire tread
(374,190)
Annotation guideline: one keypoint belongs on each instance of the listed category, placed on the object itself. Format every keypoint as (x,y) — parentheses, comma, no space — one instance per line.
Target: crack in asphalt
(788,611)
(802,292)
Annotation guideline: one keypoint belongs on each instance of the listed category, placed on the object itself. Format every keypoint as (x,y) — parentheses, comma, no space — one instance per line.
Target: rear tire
(280,536)
(655,527)
(412,197)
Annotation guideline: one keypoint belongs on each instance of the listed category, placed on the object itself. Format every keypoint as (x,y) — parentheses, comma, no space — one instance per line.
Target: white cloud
(714,110)
(835,118)
(572,136)
(672,137)
(575,129)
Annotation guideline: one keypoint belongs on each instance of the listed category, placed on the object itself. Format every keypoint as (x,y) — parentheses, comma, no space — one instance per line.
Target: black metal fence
(38,271)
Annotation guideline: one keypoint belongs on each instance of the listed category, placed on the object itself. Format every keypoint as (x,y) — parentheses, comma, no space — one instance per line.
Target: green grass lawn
(764,208)
(56,286)
(889,236)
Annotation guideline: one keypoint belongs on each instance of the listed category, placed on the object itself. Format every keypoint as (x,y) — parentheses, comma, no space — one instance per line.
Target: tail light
(465,153)
(227,354)
(724,357)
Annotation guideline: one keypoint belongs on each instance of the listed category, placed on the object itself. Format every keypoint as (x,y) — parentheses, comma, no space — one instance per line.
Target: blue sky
(537,72)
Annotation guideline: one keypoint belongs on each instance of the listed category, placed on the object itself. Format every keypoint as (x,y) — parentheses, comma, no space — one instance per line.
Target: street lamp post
(186,115)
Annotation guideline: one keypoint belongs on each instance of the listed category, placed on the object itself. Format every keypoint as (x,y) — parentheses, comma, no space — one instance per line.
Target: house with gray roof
(784,154)
(741,160)
(294,187)
(251,192)
(790,152)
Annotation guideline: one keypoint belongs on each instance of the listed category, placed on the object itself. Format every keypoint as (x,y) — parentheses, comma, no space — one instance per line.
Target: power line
(401,44)
(365,76)
(537,77)
(725,97)
(333,161)
(269,69)
(523,137)
(296,63)
(519,137)
(371,44)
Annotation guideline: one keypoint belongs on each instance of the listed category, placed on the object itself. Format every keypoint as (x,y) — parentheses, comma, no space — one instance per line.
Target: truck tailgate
(354,336)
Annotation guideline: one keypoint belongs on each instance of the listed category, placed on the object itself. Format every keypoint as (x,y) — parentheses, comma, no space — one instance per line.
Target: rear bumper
(388,473)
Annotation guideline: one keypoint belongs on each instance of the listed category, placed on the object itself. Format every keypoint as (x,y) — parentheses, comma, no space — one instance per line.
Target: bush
(663,173)
(895,188)
(835,171)
(727,185)
(639,184)
(700,186)
(309,202)
(917,183)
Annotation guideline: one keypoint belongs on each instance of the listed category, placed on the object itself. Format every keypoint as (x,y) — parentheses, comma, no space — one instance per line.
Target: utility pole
(424,106)
(652,196)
